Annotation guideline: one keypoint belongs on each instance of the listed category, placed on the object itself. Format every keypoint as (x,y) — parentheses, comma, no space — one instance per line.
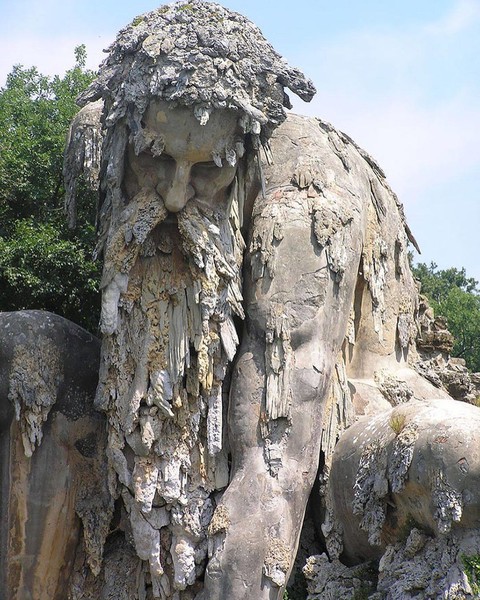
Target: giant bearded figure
(246,272)
(191,94)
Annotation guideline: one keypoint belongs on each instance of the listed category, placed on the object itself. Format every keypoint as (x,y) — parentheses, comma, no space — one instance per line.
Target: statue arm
(297,313)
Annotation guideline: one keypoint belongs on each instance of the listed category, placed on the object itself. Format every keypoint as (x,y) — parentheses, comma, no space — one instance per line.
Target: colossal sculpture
(256,299)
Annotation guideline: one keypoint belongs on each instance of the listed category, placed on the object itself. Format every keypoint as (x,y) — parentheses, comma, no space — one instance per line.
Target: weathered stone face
(181,159)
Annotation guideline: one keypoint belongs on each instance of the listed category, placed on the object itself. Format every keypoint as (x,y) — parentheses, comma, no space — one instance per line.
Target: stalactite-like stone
(278,359)
(52,455)
(35,376)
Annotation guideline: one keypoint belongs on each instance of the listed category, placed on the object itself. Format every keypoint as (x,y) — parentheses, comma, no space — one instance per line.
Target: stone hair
(197,54)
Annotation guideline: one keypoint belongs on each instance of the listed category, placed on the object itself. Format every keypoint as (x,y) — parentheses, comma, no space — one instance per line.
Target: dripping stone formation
(261,348)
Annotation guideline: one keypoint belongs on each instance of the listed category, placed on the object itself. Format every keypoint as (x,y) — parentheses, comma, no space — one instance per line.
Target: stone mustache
(256,300)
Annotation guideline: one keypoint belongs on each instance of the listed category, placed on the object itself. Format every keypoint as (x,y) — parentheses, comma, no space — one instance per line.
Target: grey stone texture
(261,332)
(54,501)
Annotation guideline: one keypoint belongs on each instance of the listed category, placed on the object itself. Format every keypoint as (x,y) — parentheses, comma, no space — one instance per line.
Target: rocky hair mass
(197,54)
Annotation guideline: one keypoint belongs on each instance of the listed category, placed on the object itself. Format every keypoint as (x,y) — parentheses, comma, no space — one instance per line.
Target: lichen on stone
(447,502)
(220,520)
(401,456)
(371,488)
(277,561)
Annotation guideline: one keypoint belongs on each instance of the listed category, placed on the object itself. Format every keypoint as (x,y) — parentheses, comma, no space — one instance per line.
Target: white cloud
(391,92)
(462,16)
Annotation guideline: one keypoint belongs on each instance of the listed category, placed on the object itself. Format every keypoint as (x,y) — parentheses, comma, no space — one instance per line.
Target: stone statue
(52,460)
(256,300)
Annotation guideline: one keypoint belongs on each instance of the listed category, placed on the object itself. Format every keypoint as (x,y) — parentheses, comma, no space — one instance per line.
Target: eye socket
(206,165)
(147,152)
(165,157)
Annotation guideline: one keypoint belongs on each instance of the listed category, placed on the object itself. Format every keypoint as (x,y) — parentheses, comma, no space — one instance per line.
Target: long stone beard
(171,292)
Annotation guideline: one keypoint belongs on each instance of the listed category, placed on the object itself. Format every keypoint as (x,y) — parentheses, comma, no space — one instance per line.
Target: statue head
(202,64)
(180,159)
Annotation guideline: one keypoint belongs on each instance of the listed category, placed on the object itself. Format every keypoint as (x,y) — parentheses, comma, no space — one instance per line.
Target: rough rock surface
(420,461)
(435,343)
(256,300)
(451,374)
(415,465)
(419,567)
(52,459)
(428,568)
(331,580)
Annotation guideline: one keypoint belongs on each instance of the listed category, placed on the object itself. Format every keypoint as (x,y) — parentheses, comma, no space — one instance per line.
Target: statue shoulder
(311,153)
(310,140)
(307,151)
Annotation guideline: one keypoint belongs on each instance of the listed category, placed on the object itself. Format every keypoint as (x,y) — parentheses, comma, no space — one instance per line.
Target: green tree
(456,297)
(43,264)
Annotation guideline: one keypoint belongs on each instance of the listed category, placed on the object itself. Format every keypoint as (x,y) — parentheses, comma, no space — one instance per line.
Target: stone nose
(181,190)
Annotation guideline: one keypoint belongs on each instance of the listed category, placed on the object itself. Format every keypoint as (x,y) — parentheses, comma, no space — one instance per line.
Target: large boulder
(415,465)
(52,455)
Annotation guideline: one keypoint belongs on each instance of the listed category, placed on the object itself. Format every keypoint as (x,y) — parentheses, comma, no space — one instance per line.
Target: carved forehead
(180,129)
(176,131)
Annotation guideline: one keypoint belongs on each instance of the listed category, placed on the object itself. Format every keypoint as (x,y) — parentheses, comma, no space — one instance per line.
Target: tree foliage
(456,297)
(42,263)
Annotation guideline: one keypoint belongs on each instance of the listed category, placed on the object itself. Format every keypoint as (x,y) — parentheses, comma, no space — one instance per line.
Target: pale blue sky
(402,77)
